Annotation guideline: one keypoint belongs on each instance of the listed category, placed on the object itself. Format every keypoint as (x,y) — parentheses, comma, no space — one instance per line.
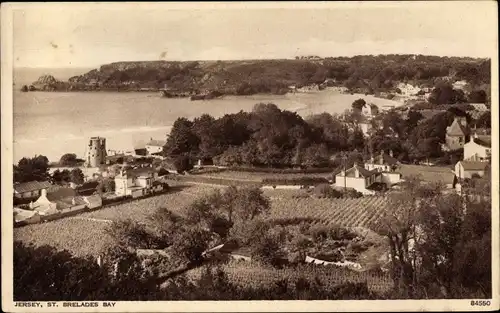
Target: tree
(444,93)
(182,140)
(477,96)
(399,224)
(45,274)
(356,139)
(358,105)
(484,120)
(30,169)
(68,159)
(77,176)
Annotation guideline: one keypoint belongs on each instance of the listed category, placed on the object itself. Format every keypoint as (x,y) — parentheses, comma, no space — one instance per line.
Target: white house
(478,148)
(466,169)
(387,166)
(358,178)
(136,182)
(155,146)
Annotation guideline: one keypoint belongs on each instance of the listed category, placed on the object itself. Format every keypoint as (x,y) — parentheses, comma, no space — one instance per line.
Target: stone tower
(96,152)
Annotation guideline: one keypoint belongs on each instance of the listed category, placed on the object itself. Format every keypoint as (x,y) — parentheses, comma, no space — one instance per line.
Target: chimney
(381,161)
(44,193)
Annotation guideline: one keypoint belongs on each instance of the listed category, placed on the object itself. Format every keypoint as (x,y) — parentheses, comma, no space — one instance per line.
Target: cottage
(478,148)
(358,178)
(457,133)
(387,165)
(136,182)
(31,189)
(155,146)
(467,169)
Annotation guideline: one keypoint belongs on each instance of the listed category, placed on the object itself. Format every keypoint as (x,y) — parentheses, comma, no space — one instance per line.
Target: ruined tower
(96,152)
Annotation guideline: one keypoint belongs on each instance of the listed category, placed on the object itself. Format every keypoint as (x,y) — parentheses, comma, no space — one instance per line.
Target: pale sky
(88,35)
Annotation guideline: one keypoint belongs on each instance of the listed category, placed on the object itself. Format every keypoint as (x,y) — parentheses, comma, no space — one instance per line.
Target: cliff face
(272,76)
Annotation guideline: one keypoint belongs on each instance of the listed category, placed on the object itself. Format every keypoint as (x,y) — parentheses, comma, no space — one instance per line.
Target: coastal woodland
(360,74)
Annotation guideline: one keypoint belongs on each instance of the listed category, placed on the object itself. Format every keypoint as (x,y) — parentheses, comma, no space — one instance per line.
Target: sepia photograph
(203,153)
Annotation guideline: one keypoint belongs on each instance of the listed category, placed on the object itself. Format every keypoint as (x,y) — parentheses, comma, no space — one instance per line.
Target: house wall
(122,184)
(350,182)
(390,178)
(455,142)
(153,149)
(471,148)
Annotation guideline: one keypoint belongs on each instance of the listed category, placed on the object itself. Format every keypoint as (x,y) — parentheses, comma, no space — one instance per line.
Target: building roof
(31,186)
(456,129)
(156,143)
(428,173)
(483,140)
(363,172)
(385,158)
(141,171)
(474,165)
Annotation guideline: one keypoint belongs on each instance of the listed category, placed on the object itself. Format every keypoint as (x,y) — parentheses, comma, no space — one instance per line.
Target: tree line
(270,137)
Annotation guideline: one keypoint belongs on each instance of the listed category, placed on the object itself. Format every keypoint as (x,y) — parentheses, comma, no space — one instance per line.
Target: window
(460,139)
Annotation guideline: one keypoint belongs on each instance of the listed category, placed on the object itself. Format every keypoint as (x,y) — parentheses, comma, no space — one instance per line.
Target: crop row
(254,274)
(360,212)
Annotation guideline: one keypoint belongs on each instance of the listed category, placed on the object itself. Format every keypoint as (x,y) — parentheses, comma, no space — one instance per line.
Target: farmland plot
(360,212)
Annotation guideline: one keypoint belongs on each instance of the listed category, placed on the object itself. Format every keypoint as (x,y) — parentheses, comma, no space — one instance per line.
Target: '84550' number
(480,303)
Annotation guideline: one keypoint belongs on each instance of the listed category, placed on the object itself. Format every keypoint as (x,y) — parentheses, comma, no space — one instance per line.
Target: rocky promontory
(361,74)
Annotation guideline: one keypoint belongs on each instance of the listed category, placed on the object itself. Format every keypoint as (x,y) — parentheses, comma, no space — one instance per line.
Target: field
(360,212)
(79,236)
(245,273)
(85,234)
